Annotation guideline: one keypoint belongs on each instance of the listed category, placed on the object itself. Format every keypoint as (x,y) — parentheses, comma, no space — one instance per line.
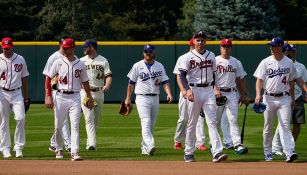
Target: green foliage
(185,27)
(237,19)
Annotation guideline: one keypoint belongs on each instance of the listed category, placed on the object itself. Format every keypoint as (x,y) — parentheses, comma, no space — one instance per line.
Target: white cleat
(6,153)
(18,153)
(75,157)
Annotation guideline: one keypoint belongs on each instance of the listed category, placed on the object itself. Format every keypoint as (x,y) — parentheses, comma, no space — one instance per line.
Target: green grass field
(119,137)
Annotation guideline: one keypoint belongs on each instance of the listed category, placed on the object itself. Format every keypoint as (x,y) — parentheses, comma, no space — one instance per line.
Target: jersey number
(3,77)
(63,80)
(100,77)
(284,80)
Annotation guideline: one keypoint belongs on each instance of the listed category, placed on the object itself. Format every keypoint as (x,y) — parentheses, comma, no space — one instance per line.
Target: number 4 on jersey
(3,77)
(100,77)
(284,80)
(63,80)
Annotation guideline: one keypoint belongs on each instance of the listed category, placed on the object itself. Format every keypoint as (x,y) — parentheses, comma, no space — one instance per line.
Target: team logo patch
(78,73)
(18,67)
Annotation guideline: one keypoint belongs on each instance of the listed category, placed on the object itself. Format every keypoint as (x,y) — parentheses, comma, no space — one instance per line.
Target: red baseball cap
(226,41)
(191,42)
(68,43)
(7,43)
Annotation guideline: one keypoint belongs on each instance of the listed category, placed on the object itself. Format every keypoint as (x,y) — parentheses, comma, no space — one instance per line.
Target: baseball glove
(54,83)
(85,102)
(125,110)
(27,103)
(220,101)
(260,108)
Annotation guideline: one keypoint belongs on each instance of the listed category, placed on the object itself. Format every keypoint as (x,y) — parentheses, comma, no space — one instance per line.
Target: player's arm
(25,87)
(48,97)
(130,88)
(167,90)
(108,81)
(291,91)
(87,89)
(301,84)
(185,84)
(259,85)
(182,90)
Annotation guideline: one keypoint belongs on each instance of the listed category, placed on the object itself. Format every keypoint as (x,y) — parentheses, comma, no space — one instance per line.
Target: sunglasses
(148,51)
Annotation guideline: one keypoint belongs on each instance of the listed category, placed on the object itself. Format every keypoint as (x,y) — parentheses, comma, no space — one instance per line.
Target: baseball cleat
(219,157)
(229,146)
(202,148)
(52,149)
(6,153)
(18,153)
(277,153)
(68,150)
(189,158)
(152,151)
(91,148)
(240,149)
(291,158)
(59,154)
(177,146)
(75,157)
(268,157)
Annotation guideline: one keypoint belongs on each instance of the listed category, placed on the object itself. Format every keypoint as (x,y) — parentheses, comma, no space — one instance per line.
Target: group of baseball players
(72,84)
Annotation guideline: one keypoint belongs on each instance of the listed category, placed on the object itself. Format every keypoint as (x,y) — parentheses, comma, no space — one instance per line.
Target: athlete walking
(65,130)
(276,74)
(183,114)
(100,78)
(72,73)
(147,76)
(13,94)
(197,70)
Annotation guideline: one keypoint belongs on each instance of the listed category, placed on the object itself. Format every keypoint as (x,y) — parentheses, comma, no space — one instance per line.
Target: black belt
(149,94)
(201,85)
(95,89)
(9,89)
(227,89)
(66,92)
(277,94)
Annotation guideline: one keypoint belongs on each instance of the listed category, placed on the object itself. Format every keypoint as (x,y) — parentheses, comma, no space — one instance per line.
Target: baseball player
(98,71)
(67,101)
(183,115)
(228,80)
(13,94)
(146,76)
(276,74)
(197,70)
(298,114)
(65,131)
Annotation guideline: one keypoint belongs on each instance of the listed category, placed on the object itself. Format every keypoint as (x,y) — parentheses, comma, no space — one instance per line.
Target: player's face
(226,50)
(68,51)
(8,52)
(276,50)
(87,50)
(200,43)
(149,56)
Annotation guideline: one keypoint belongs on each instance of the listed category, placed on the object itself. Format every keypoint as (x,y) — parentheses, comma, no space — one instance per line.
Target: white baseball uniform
(67,99)
(302,73)
(12,70)
(147,89)
(227,71)
(183,118)
(200,69)
(65,130)
(97,69)
(276,76)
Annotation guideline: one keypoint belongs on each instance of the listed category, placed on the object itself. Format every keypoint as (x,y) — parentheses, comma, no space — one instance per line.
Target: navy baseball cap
(286,47)
(149,48)
(276,42)
(199,33)
(293,48)
(89,43)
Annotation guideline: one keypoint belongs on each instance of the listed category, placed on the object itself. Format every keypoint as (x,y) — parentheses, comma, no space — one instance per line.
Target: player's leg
(181,123)
(276,143)
(200,133)
(269,115)
(153,119)
(74,116)
(227,139)
(99,98)
(52,139)
(66,135)
(5,137)
(298,117)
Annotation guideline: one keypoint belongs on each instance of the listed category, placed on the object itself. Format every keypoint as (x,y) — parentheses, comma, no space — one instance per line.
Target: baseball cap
(7,43)
(191,42)
(293,48)
(225,42)
(89,43)
(286,47)
(276,42)
(62,39)
(200,33)
(68,43)
(149,48)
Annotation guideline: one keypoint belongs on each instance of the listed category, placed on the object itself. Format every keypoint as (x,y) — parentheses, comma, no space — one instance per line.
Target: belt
(277,94)
(95,89)
(66,92)
(9,89)
(201,85)
(227,89)
(149,94)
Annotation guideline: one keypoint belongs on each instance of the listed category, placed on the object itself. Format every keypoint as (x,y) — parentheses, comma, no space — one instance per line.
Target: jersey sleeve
(304,73)
(176,71)
(83,76)
(53,70)
(107,70)
(293,74)
(213,63)
(241,72)
(260,71)
(164,75)
(24,71)
(133,73)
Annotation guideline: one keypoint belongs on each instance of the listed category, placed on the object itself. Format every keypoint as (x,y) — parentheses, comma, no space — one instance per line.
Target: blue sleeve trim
(131,82)
(164,82)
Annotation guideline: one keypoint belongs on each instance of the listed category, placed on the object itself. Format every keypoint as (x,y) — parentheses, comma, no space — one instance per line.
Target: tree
(185,27)
(237,19)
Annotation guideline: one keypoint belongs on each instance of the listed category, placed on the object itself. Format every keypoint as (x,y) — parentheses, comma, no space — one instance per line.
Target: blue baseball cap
(293,48)
(89,43)
(149,48)
(276,42)
(286,47)
(199,33)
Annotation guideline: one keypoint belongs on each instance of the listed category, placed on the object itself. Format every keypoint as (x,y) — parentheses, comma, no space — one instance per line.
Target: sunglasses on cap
(148,51)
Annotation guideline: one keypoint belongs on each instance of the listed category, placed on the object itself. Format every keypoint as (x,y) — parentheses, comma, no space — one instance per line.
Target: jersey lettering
(145,76)
(3,77)
(96,67)
(78,73)
(18,67)
(222,69)
(63,80)
(202,64)
(280,71)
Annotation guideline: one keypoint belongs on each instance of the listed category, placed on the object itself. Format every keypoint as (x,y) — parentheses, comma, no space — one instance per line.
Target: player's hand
(184,94)
(190,95)
(48,102)
(105,89)
(217,92)
(90,103)
(127,102)
(258,99)
(169,98)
